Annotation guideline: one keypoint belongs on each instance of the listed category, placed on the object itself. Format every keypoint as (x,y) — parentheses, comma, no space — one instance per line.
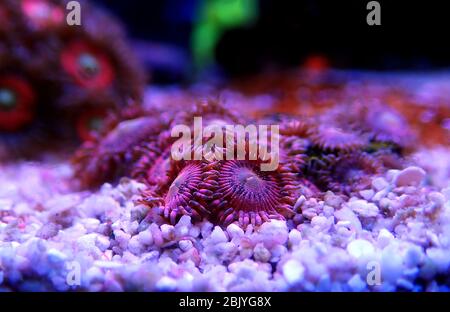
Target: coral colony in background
(359,199)
(58,81)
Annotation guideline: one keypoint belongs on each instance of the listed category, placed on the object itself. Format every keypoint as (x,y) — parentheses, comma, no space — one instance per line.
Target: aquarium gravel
(394,235)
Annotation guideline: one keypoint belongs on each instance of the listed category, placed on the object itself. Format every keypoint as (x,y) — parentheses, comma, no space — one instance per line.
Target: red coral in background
(90,123)
(74,71)
(17,101)
(43,14)
(87,65)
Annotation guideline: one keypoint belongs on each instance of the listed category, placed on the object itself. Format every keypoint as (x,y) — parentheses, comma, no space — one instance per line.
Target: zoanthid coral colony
(217,172)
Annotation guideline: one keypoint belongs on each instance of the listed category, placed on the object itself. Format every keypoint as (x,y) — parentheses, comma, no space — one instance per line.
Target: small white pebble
(261,253)
(87,242)
(185,244)
(384,238)
(273,233)
(391,174)
(379,183)
(133,227)
(328,211)
(278,252)
(293,271)
(102,242)
(90,224)
(156,234)
(437,198)
(414,256)
(321,223)
(298,204)
(411,176)
(183,226)
(206,229)
(194,231)
(122,238)
(134,245)
(360,248)
(404,283)
(440,258)
(295,237)
(356,283)
(184,220)
(385,203)
(367,194)
(168,232)
(391,264)
(218,236)
(379,195)
(55,256)
(145,237)
(446,193)
(333,200)
(363,208)
(235,231)
(108,264)
(345,214)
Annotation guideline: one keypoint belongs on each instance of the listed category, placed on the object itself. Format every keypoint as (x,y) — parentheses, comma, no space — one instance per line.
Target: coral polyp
(249,195)
(106,158)
(349,172)
(185,193)
(88,66)
(43,14)
(152,169)
(332,138)
(388,125)
(90,122)
(17,103)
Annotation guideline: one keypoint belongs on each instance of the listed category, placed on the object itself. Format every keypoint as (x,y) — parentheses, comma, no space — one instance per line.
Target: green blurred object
(215,17)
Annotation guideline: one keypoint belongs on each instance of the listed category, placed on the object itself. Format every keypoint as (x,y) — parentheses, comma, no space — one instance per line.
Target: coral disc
(87,65)
(248,194)
(89,123)
(17,101)
(186,191)
(181,190)
(104,158)
(351,172)
(387,124)
(129,133)
(330,137)
(152,171)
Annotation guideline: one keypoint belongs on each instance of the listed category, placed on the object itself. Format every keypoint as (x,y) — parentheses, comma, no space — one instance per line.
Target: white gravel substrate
(394,236)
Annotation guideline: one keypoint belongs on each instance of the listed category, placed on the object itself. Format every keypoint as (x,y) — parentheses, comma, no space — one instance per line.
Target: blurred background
(179,39)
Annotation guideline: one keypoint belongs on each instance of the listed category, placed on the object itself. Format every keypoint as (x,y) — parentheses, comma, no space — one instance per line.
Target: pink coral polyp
(42,13)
